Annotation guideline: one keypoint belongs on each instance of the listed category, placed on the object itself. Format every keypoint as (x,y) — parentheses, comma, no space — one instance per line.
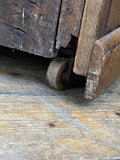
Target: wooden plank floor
(40,123)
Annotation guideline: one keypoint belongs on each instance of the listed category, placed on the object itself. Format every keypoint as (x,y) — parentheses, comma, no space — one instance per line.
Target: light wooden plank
(93,25)
(40,123)
(105,64)
(114,16)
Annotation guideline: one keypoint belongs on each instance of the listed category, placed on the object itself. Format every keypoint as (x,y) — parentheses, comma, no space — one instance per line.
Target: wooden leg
(104,65)
(92,28)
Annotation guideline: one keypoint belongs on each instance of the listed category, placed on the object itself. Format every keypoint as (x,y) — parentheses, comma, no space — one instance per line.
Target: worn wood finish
(70,20)
(114,16)
(39,123)
(93,25)
(29,25)
(55,73)
(105,64)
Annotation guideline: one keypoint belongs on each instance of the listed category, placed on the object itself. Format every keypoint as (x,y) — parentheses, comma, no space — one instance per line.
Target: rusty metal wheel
(55,73)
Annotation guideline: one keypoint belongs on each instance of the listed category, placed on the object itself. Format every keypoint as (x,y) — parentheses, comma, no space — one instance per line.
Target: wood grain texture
(70,20)
(40,123)
(114,16)
(93,25)
(104,65)
(29,25)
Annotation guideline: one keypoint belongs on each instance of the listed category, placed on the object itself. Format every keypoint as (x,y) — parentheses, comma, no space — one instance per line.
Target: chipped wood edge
(105,55)
(69,22)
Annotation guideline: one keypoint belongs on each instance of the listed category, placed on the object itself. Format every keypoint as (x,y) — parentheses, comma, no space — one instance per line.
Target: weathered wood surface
(114,16)
(39,123)
(104,65)
(70,20)
(92,28)
(29,25)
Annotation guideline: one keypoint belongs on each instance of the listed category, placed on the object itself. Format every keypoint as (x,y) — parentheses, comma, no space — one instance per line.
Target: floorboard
(40,123)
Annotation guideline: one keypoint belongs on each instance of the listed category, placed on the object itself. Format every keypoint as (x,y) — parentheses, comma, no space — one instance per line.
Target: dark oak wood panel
(29,25)
(70,20)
